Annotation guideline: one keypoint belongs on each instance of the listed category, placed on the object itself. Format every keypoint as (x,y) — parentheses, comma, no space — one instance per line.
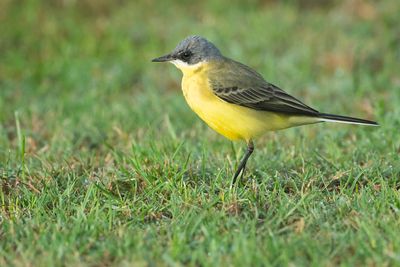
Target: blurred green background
(103,163)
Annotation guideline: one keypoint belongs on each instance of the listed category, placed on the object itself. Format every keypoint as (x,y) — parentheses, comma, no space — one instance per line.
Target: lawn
(102,163)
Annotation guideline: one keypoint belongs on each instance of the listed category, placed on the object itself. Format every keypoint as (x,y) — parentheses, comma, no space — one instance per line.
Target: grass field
(102,163)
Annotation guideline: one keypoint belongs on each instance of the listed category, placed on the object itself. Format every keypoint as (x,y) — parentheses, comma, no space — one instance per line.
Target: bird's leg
(242,164)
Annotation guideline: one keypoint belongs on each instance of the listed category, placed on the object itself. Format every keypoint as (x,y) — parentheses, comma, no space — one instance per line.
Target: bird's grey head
(190,51)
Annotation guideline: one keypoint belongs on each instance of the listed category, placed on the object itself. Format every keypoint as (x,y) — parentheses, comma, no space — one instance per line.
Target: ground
(102,163)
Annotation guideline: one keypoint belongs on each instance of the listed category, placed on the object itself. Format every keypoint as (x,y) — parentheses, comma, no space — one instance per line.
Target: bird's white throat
(183,65)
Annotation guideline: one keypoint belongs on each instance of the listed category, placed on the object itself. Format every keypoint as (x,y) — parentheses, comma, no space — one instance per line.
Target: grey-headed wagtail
(235,100)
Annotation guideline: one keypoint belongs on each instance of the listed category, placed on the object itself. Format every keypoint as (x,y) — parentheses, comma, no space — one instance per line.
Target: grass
(103,164)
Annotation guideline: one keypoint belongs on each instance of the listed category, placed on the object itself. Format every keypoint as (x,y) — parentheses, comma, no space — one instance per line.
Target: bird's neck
(189,70)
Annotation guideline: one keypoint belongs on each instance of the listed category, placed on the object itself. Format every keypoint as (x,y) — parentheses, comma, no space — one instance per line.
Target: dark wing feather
(238,84)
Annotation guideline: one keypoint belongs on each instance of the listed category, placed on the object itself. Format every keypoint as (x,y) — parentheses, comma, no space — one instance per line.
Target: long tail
(345,119)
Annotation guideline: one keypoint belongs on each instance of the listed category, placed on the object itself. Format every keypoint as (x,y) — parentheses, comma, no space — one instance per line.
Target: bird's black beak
(165,58)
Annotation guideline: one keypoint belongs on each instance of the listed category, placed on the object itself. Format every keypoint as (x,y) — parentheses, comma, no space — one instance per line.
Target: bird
(235,100)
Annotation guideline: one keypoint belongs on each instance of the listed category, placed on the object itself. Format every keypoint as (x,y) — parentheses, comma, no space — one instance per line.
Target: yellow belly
(232,121)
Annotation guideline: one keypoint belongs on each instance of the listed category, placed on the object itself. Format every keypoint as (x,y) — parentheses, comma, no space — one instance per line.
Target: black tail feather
(345,119)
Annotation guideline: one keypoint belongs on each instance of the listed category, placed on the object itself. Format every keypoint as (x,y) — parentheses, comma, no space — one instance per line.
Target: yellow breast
(232,121)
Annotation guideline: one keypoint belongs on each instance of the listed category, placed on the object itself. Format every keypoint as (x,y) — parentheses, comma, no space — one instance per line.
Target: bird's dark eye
(186,55)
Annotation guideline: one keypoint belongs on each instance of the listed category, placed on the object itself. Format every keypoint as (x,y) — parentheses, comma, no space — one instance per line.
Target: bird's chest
(208,106)
(197,92)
